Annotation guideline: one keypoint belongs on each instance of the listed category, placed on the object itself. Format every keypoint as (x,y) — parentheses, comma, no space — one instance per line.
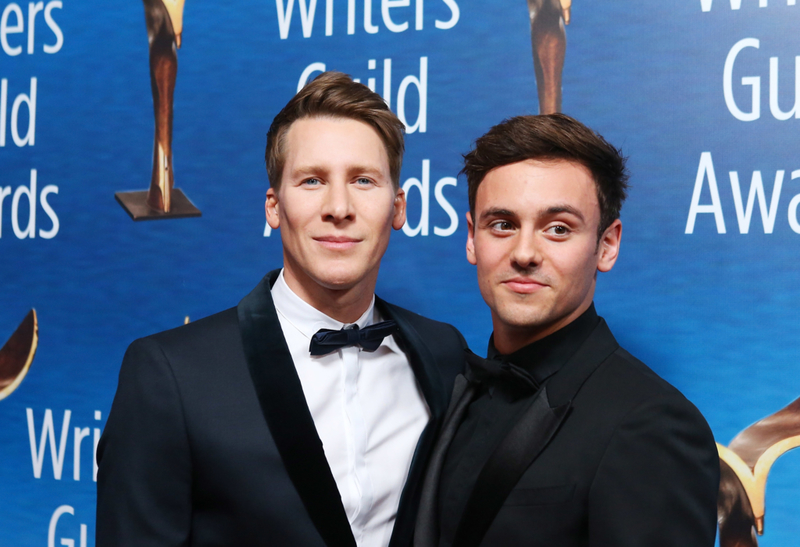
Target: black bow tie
(516,377)
(369,338)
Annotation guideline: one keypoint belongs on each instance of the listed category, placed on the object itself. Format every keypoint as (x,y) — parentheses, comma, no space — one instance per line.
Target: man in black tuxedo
(249,427)
(561,438)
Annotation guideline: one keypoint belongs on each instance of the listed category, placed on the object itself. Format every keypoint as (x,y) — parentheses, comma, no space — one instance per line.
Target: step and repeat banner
(702,95)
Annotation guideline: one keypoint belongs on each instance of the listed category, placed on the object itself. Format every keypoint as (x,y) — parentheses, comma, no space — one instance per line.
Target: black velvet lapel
(430,380)
(529,436)
(286,412)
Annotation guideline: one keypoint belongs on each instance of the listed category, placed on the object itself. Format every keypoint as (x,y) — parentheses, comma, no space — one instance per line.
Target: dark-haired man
(561,438)
(305,415)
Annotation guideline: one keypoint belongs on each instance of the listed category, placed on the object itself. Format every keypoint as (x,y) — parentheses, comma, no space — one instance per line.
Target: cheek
(578,268)
(377,214)
(490,255)
(292,215)
(489,270)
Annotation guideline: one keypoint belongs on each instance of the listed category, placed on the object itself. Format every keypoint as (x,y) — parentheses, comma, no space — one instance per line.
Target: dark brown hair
(547,138)
(336,95)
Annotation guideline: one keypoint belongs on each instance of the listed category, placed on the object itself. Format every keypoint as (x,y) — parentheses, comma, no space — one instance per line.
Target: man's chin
(520,317)
(338,280)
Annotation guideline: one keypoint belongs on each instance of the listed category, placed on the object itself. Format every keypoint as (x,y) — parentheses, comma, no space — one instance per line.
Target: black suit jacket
(607,454)
(210,442)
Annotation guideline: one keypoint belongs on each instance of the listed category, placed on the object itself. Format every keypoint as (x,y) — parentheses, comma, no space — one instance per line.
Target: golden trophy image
(17,354)
(164,20)
(744,466)
(549,44)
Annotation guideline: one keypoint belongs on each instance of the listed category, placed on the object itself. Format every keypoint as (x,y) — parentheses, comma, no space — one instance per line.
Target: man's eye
(502,225)
(363,180)
(559,230)
(311,182)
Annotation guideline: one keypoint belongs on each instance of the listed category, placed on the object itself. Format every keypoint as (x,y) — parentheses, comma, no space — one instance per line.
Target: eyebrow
(499,212)
(310,170)
(305,170)
(363,169)
(556,209)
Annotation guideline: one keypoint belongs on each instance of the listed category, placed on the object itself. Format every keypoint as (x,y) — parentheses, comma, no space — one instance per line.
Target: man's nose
(526,253)
(338,204)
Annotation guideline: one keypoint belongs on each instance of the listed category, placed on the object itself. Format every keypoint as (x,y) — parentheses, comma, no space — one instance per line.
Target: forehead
(533,185)
(333,140)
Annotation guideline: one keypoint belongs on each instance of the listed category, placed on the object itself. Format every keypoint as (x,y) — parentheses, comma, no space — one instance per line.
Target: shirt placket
(357,441)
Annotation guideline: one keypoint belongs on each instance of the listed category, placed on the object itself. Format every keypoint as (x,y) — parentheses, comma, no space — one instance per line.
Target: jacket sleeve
(144,463)
(658,480)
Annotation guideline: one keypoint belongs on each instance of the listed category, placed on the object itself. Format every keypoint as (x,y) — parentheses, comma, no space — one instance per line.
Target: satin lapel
(433,389)
(426,531)
(283,403)
(459,387)
(530,435)
(506,465)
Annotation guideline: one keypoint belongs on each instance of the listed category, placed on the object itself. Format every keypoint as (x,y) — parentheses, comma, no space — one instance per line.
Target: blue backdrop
(705,290)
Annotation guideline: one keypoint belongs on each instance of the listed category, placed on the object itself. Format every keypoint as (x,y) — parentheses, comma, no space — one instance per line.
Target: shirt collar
(545,357)
(305,317)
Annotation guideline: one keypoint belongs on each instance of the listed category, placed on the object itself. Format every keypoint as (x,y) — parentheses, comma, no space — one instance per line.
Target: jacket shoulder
(661,443)
(631,390)
(205,344)
(629,374)
(432,331)
(205,331)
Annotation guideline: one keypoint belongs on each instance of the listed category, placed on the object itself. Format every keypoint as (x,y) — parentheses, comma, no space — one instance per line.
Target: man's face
(534,241)
(336,205)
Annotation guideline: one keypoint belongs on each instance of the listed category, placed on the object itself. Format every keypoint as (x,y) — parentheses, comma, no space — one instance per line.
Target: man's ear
(271,208)
(399,215)
(470,240)
(608,247)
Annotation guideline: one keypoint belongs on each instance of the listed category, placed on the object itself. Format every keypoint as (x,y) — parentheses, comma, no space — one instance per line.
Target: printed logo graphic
(549,42)
(164,27)
(17,354)
(745,464)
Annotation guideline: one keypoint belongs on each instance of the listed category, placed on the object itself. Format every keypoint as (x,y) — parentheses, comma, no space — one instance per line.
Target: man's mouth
(337,243)
(523,285)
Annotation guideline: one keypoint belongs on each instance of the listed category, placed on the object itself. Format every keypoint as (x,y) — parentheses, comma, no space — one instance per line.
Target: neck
(508,341)
(345,304)
(510,338)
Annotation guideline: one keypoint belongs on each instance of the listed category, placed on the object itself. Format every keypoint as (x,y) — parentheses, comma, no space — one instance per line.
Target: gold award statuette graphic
(164,20)
(549,43)
(17,354)
(744,465)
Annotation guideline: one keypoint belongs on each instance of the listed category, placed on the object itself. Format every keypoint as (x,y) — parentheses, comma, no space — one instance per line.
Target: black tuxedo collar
(283,403)
(540,422)
(597,348)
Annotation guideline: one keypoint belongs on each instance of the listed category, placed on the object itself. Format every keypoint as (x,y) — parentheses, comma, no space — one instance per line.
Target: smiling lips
(523,285)
(337,243)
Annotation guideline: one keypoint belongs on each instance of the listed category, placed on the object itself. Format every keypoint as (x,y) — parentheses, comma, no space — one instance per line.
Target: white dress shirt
(368,410)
